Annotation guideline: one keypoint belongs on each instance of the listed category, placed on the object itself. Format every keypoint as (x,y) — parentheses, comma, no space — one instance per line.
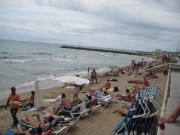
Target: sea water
(22,63)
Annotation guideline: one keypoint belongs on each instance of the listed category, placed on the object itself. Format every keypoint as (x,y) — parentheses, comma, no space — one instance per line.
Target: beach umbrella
(72,80)
(37,97)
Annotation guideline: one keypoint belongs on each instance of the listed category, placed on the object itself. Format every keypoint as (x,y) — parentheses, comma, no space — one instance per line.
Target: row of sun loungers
(142,114)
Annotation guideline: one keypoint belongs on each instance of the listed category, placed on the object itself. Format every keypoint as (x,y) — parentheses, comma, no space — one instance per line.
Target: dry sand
(101,122)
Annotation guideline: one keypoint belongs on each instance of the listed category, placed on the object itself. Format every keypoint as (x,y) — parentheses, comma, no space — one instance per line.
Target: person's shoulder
(17,95)
(10,96)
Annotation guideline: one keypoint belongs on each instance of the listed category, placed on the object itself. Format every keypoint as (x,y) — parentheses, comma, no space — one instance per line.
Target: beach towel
(10,132)
(51,100)
(122,102)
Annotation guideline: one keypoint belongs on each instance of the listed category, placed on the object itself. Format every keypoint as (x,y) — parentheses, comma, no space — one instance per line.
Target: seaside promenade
(171,100)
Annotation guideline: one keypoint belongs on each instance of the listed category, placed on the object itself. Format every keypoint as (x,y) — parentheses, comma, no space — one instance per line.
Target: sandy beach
(101,122)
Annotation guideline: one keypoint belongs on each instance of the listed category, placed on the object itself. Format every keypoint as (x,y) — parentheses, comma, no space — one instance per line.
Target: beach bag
(95,102)
(116,89)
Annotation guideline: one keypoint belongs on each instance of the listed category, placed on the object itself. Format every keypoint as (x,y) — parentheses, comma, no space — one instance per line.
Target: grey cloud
(101,22)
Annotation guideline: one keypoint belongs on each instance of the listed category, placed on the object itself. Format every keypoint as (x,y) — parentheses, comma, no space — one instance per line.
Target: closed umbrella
(37,98)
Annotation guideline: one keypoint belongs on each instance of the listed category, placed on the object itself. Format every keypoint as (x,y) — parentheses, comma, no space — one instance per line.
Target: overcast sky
(123,24)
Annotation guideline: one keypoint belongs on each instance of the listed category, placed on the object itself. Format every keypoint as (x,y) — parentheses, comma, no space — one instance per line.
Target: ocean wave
(52,76)
(12,57)
(17,61)
(81,73)
(102,54)
(23,60)
(73,57)
(41,53)
(26,84)
(59,60)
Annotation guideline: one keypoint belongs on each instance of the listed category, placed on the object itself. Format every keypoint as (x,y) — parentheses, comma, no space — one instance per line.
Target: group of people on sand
(130,93)
(14,102)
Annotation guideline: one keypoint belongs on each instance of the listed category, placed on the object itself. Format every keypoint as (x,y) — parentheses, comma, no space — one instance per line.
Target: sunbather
(151,74)
(136,81)
(107,85)
(135,89)
(98,93)
(39,131)
(65,104)
(28,103)
(122,112)
(145,82)
(36,123)
(126,96)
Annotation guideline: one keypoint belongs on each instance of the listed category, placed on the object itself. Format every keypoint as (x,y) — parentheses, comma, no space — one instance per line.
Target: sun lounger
(56,126)
(69,122)
(105,100)
(83,111)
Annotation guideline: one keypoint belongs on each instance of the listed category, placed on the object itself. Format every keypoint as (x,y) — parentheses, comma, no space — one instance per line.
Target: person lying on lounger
(99,93)
(37,123)
(39,131)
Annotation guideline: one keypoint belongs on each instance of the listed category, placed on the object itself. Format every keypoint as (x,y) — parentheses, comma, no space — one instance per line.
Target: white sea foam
(17,61)
(25,84)
(46,78)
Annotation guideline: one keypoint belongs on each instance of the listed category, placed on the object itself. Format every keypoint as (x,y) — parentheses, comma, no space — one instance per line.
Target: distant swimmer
(4,52)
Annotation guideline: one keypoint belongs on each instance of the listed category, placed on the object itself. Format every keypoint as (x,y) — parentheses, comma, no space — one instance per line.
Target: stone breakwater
(140,53)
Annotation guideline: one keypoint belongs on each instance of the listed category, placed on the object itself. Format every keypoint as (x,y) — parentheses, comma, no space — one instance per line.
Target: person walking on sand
(14,98)
(94,75)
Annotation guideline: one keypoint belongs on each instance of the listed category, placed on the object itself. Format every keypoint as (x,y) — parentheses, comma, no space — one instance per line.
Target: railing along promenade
(171,100)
